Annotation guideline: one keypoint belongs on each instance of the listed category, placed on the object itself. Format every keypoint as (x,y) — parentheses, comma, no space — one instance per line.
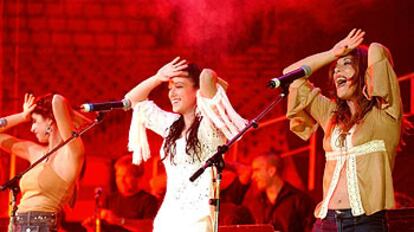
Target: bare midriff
(340,197)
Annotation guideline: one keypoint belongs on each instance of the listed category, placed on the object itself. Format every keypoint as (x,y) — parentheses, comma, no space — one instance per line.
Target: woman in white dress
(202,119)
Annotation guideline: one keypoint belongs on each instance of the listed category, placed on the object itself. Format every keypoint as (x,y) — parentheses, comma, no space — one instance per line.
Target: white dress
(186,204)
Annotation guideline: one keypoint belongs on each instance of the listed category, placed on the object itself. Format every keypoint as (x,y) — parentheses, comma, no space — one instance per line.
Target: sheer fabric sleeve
(382,82)
(147,114)
(307,108)
(219,111)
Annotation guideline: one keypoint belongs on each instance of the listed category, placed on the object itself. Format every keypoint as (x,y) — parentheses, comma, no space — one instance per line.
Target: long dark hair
(193,147)
(342,114)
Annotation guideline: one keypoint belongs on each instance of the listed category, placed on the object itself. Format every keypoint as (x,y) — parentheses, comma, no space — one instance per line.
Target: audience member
(273,201)
(130,208)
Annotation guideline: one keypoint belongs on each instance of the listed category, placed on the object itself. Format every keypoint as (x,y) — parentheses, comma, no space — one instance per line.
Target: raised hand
(346,45)
(29,105)
(172,69)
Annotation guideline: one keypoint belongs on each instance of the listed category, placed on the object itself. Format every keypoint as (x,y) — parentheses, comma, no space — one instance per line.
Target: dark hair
(273,160)
(193,147)
(44,106)
(342,114)
(126,161)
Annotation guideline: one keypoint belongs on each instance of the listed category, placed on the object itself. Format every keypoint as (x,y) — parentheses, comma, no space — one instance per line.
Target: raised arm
(11,144)
(64,122)
(208,80)
(381,80)
(143,89)
(342,48)
(24,116)
(377,52)
(208,83)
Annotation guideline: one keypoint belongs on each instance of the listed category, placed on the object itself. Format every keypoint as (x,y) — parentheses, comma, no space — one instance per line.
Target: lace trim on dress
(138,141)
(353,189)
(221,113)
(363,149)
(217,110)
(324,208)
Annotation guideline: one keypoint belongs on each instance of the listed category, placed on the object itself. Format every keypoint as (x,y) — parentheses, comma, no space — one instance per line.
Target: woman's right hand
(165,73)
(29,105)
(172,69)
(349,43)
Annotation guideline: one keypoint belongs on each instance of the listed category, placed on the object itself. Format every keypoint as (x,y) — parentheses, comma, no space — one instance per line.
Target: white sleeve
(221,113)
(147,114)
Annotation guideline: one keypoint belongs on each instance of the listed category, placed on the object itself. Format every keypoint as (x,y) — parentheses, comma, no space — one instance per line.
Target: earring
(48,130)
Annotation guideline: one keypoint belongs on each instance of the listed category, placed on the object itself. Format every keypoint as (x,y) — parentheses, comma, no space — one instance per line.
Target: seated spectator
(130,208)
(273,201)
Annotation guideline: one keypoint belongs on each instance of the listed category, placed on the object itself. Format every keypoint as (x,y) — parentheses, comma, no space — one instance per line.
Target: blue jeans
(343,221)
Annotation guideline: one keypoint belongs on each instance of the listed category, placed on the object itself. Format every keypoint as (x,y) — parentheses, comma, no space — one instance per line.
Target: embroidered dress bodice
(186,203)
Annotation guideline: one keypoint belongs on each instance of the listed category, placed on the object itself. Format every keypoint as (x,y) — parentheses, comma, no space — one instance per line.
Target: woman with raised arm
(50,185)
(362,126)
(202,119)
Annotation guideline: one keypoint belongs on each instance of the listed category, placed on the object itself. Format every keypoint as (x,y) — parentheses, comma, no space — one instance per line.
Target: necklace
(47,158)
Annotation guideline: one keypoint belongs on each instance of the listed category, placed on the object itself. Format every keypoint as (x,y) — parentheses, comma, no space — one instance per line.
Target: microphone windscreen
(307,70)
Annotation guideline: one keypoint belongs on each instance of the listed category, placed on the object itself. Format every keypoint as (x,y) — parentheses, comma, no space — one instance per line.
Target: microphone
(98,192)
(303,71)
(125,104)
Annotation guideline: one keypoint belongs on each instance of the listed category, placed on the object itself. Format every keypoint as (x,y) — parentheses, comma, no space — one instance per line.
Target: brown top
(369,148)
(43,190)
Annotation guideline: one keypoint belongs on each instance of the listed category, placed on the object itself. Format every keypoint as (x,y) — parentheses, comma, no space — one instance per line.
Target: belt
(36,217)
(340,213)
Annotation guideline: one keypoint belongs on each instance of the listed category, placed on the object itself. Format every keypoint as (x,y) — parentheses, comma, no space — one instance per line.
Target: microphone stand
(217,160)
(98,221)
(13,184)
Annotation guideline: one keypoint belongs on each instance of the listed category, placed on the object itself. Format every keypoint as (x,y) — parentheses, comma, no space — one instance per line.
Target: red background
(92,51)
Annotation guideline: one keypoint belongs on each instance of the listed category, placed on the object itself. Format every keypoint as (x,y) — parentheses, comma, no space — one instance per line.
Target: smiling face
(344,77)
(182,94)
(39,127)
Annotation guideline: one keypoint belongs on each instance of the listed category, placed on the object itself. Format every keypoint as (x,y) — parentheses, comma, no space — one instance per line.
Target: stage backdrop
(93,51)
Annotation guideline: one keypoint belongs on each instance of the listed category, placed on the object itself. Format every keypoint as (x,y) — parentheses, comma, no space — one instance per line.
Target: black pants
(343,221)
(36,222)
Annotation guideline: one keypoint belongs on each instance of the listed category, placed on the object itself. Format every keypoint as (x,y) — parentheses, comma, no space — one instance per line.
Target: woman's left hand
(29,105)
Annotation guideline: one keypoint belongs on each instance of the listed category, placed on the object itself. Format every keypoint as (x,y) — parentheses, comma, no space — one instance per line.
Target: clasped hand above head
(172,69)
(29,105)
(349,43)
(340,49)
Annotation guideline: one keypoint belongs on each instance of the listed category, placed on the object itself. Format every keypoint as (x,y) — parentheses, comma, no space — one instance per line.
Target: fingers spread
(175,60)
(351,33)
(181,62)
(181,67)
